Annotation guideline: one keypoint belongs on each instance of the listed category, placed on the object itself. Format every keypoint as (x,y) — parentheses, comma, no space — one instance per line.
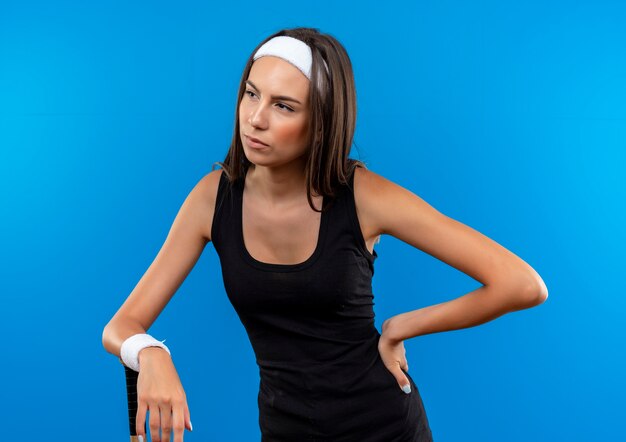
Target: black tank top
(311,326)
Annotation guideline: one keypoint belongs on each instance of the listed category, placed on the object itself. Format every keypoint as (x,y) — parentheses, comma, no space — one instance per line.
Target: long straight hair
(332,117)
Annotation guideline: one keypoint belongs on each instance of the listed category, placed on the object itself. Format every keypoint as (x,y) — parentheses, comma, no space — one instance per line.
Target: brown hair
(332,116)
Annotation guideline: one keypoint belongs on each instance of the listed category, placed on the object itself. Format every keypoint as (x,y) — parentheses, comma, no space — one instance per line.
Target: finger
(155,422)
(140,419)
(166,421)
(188,417)
(403,380)
(405,385)
(178,421)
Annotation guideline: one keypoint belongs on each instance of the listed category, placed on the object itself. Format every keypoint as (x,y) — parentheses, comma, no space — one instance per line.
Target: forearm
(477,307)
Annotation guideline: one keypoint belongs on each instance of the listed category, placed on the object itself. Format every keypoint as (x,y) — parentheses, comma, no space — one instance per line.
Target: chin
(256,160)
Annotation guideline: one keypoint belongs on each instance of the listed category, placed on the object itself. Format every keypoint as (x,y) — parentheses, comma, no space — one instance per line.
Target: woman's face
(275,110)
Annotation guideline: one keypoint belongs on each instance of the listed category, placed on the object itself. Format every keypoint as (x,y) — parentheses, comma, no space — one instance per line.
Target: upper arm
(391,209)
(183,245)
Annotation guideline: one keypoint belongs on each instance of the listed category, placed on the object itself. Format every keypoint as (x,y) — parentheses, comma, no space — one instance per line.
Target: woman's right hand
(159,390)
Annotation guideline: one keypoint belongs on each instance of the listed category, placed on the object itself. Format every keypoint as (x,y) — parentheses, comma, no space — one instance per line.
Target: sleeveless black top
(311,326)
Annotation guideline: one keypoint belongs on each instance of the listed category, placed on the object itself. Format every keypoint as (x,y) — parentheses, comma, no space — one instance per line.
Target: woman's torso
(311,324)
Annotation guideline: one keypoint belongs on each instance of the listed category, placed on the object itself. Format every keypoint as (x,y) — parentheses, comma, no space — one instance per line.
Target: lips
(256,140)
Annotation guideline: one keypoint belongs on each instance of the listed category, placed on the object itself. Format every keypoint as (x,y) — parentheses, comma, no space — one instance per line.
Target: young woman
(294,222)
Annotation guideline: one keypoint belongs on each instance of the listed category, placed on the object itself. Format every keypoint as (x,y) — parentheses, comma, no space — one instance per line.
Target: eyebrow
(275,97)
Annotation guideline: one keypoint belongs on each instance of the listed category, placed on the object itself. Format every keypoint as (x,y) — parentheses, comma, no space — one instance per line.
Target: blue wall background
(509,117)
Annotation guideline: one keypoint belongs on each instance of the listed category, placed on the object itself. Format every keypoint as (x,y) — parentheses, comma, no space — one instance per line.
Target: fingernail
(407,388)
(190,425)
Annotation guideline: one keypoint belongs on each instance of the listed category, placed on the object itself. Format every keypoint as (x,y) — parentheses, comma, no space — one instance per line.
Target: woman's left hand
(393,356)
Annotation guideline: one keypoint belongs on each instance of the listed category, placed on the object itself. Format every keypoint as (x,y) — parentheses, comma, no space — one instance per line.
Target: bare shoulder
(378,199)
(373,196)
(205,194)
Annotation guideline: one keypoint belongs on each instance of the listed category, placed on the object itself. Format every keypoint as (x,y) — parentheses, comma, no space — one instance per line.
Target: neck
(277,185)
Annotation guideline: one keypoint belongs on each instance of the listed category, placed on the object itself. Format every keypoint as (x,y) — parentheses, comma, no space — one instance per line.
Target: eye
(282,106)
(285,107)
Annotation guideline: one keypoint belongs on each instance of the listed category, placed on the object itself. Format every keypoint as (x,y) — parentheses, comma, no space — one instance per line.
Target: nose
(257,117)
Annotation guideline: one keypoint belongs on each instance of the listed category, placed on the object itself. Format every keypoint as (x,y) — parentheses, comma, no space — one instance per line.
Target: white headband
(290,49)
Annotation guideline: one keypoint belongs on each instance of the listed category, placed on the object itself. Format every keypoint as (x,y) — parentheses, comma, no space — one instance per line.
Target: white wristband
(129,352)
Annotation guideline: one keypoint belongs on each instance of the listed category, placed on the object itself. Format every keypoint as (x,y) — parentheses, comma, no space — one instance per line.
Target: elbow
(116,331)
(535,294)
(523,295)
(536,298)
(542,295)
(106,340)
(110,338)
